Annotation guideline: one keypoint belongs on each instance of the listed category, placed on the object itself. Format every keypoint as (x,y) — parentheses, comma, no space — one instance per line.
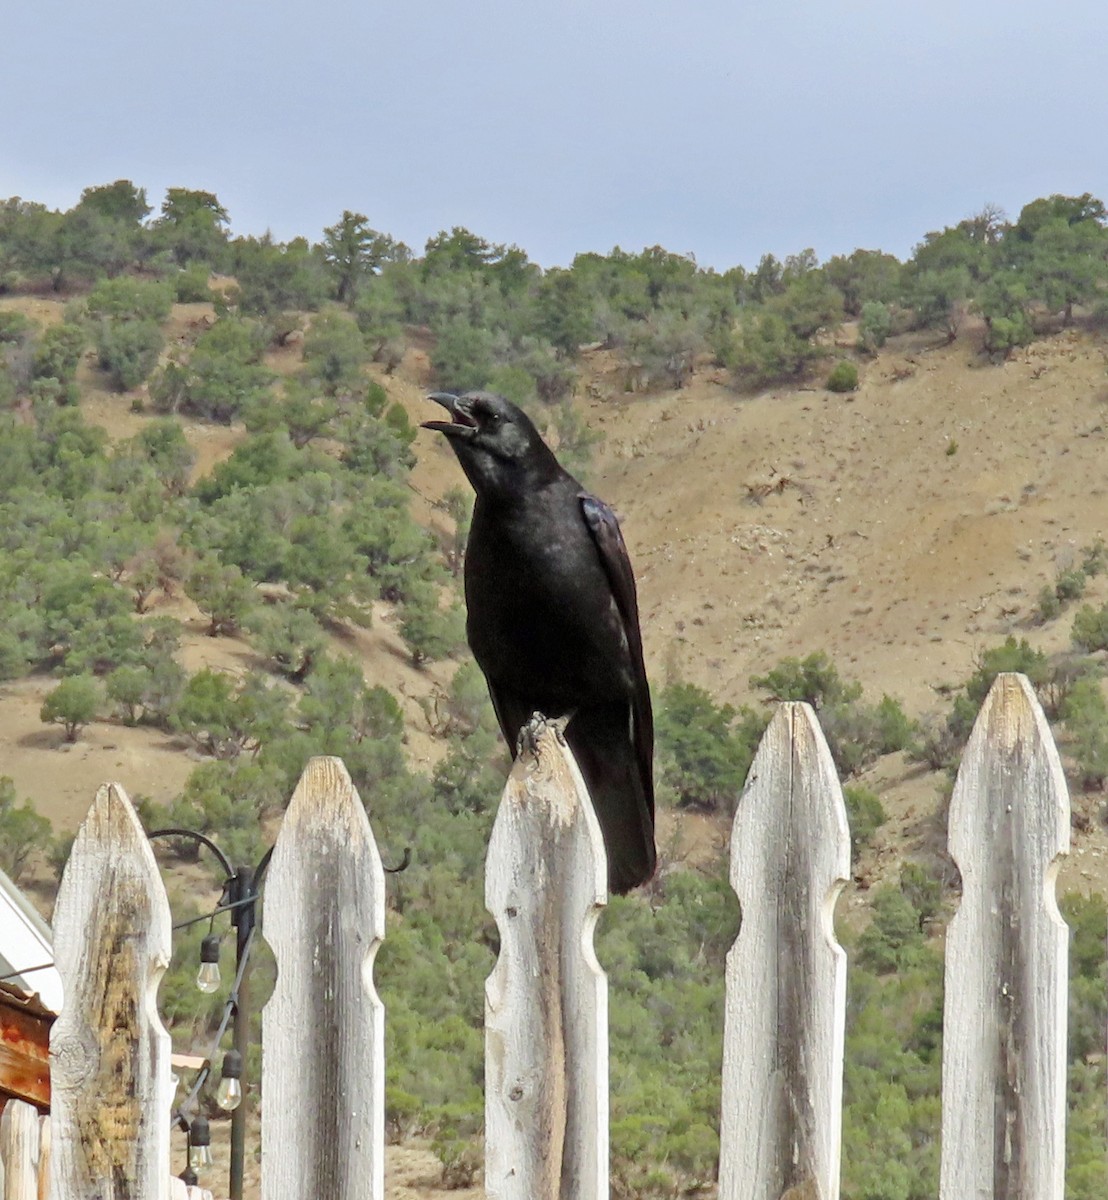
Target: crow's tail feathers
(622,799)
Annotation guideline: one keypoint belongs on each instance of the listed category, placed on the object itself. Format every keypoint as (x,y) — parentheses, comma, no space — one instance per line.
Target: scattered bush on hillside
(1090,628)
(23,832)
(128,351)
(763,350)
(1094,558)
(430,630)
(857,734)
(222,593)
(225,718)
(1069,585)
(874,327)
(290,638)
(190,284)
(146,689)
(666,345)
(843,377)
(72,704)
(220,378)
(335,354)
(866,815)
(1084,717)
(57,354)
(704,750)
(129,299)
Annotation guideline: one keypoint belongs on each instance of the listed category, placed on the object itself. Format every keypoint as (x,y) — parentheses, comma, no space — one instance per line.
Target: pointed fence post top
(326,803)
(111,853)
(792,791)
(1010,762)
(111,824)
(545,791)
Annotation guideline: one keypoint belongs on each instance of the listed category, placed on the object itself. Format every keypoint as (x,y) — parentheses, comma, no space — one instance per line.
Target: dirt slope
(902,529)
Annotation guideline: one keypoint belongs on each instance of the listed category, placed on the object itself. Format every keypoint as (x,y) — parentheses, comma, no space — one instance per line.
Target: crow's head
(499,448)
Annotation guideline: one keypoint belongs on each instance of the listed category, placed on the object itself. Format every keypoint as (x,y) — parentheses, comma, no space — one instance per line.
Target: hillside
(902,528)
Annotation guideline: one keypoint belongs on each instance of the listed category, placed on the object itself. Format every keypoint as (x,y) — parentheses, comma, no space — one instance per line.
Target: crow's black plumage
(553,619)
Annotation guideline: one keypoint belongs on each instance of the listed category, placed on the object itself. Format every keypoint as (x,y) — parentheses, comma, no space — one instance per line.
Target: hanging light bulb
(200,1144)
(207,978)
(229,1093)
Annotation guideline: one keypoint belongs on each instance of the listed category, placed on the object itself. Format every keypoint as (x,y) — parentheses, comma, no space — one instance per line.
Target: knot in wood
(75,1058)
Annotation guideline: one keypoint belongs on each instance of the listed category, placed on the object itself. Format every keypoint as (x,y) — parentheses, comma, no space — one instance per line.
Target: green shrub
(866,815)
(22,832)
(14,328)
(59,351)
(893,938)
(1090,628)
(874,326)
(430,630)
(843,377)
(814,679)
(72,704)
(1085,716)
(704,749)
(127,299)
(1048,605)
(128,351)
(191,283)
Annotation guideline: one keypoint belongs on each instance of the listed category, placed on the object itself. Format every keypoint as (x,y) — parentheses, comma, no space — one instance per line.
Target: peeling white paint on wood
(109,1052)
(323,1064)
(1004,1041)
(786,974)
(546,1012)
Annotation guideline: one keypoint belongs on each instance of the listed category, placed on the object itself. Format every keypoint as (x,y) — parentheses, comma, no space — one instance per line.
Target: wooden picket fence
(1004,1048)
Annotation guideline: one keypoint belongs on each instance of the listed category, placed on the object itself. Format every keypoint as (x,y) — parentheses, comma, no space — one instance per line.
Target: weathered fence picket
(786,974)
(179,1190)
(109,1052)
(21,1167)
(546,1013)
(323,1073)
(546,999)
(1004,1043)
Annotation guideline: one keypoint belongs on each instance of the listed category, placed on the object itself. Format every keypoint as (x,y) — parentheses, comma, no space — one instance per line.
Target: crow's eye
(494,418)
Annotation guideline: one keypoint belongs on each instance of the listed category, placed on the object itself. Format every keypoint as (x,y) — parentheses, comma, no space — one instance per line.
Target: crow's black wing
(606,534)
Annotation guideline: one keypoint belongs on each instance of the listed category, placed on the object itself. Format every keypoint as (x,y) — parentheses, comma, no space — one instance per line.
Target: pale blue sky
(724,129)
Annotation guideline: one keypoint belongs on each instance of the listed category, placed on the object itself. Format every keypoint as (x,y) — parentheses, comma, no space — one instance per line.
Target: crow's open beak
(462,423)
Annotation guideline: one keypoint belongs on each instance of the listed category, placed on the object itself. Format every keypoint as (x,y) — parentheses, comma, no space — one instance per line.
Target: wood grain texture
(546,1012)
(44,1158)
(1004,1039)
(786,974)
(323,1065)
(109,1053)
(20,1146)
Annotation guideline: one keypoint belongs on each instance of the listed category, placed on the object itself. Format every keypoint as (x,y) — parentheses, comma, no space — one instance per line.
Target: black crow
(553,619)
